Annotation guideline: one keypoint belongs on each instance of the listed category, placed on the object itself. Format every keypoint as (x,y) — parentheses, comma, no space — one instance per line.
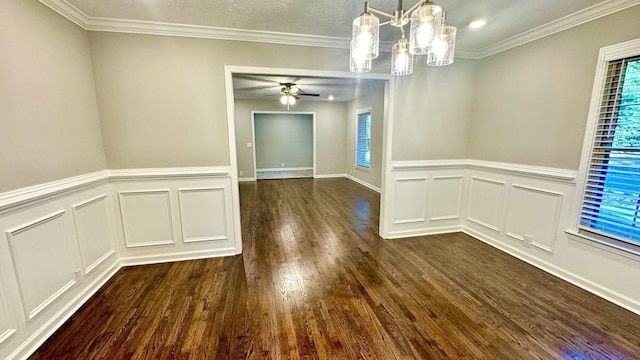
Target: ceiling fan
(291,93)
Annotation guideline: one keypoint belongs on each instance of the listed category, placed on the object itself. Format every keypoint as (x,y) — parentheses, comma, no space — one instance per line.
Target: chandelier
(430,35)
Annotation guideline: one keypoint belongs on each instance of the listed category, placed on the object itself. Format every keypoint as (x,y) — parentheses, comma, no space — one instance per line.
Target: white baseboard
(596,289)
(164,258)
(247,179)
(55,322)
(422,232)
(363,183)
(285,169)
(329,176)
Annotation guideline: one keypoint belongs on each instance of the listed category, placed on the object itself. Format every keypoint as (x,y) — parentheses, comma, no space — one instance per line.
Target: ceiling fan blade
(306,94)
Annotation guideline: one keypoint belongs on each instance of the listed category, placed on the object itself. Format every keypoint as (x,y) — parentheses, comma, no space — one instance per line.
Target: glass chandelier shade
(358,65)
(443,47)
(365,35)
(401,58)
(426,22)
(429,35)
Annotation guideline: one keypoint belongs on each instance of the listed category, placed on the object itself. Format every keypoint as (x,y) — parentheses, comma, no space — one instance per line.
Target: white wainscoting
(146,217)
(197,207)
(174,216)
(486,202)
(6,327)
(44,266)
(424,199)
(94,231)
(63,240)
(520,209)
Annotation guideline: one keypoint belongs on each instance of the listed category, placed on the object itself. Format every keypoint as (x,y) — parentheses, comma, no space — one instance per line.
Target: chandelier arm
(385,23)
(379,12)
(410,10)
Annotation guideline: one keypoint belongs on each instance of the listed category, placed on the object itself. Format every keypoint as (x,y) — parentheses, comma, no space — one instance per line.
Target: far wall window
(611,200)
(363,139)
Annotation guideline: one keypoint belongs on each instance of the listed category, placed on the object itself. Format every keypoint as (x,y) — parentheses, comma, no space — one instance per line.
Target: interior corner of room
(124,148)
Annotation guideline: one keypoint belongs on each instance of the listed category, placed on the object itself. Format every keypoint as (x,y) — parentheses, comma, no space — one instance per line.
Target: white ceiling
(332,18)
(328,23)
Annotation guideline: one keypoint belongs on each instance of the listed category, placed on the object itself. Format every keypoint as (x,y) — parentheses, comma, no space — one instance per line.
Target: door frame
(386,203)
(253,133)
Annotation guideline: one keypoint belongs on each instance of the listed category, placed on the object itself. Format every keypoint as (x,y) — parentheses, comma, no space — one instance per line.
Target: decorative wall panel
(410,200)
(536,213)
(146,218)
(486,201)
(446,196)
(202,214)
(6,329)
(42,261)
(93,230)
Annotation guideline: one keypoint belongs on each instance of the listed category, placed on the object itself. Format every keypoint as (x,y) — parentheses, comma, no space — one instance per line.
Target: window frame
(358,113)
(607,242)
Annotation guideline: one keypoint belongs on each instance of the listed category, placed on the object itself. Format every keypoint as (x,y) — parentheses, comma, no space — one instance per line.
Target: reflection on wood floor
(315,281)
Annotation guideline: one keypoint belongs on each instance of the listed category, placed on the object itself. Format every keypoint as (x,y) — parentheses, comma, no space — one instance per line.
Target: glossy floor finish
(315,281)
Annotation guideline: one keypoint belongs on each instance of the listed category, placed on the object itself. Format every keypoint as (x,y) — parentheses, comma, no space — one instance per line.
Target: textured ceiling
(332,18)
(510,23)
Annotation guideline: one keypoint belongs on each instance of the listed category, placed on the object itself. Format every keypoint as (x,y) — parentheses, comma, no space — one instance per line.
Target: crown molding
(89,23)
(578,18)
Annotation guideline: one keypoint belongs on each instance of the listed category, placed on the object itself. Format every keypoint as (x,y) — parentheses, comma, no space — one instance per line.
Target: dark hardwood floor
(315,281)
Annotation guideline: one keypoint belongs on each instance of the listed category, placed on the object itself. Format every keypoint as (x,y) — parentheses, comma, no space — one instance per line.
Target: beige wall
(49,124)
(372,97)
(162,99)
(330,132)
(531,102)
(433,109)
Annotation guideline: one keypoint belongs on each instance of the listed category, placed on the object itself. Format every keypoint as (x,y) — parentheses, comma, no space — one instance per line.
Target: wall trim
(329,176)
(168,173)
(596,289)
(171,257)
(247,179)
(567,22)
(542,172)
(400,234)
(14,199)
(363,183)
(43,333)
(86,22)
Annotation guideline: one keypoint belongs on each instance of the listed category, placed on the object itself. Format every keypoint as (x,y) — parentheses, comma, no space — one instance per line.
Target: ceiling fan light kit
(289,94)
(429,35)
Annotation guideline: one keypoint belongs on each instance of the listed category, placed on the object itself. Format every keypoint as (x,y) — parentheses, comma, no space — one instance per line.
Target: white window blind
(611,201)
(363,139)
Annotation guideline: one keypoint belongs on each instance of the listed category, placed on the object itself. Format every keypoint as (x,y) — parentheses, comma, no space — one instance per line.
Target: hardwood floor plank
(316,282)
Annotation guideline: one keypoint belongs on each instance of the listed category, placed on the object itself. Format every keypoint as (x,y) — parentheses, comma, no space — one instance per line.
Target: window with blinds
(363,139)
(611,201)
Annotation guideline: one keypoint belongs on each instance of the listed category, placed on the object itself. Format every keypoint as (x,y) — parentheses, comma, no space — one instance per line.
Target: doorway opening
(284,145)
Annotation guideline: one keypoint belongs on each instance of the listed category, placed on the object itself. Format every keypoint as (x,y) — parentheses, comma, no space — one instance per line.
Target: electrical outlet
(249,145)
(527,240)
(241,172)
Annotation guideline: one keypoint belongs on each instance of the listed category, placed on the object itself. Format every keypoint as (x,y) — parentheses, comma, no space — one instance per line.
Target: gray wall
(531,102)
(330,132)
(433,109)
(371,97)
(283,140)
(162,99)
(49,123)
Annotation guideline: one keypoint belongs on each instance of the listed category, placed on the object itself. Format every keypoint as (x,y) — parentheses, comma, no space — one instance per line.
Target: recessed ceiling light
(330,98)
(478,23)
